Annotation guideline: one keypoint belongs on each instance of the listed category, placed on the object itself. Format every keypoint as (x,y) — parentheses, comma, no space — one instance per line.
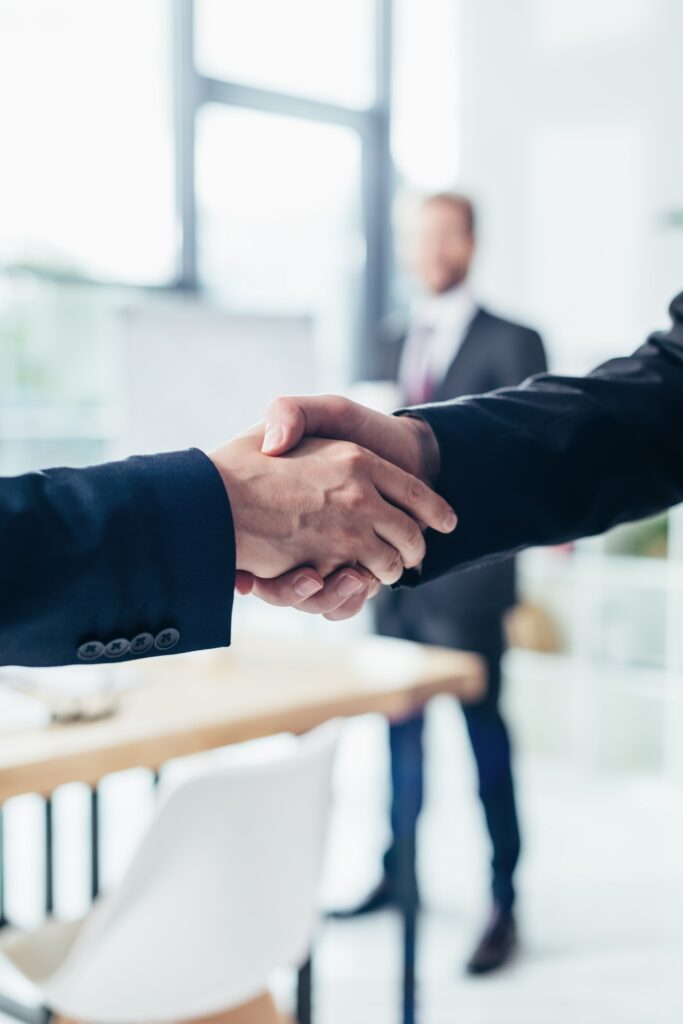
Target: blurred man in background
(451,347)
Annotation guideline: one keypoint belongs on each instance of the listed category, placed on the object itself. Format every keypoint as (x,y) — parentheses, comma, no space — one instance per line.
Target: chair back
(221,891)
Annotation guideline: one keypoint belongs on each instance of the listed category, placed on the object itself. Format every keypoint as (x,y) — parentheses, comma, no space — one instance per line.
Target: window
(324,49)
(289,192)
(425,131)
(278,208)
(86,176)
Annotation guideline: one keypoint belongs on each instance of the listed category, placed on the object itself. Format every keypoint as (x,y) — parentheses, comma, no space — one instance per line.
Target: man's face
(444,247)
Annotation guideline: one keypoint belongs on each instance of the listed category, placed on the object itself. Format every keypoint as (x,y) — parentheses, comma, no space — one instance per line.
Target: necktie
(418,381)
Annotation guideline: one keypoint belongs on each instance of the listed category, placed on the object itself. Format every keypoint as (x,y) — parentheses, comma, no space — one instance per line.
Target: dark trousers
(491,748)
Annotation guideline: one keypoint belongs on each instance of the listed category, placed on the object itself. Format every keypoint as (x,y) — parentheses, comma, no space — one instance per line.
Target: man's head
(445,241)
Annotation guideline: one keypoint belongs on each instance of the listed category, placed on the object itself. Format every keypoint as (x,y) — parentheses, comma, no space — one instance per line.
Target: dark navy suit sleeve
(559,457)
(118,561)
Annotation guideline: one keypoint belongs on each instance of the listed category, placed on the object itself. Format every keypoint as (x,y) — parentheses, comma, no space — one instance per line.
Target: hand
(327,504)
(340,596)
(408,442)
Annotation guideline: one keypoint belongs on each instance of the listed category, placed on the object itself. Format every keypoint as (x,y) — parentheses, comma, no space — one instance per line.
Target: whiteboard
(195,375)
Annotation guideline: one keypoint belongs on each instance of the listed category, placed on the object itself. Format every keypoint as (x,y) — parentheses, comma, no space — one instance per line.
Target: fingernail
(349,585)
(273,438)
(306,586)
(450,521)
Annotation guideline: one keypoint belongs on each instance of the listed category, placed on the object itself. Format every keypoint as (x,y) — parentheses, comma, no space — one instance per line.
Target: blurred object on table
(71,694)
(531,628)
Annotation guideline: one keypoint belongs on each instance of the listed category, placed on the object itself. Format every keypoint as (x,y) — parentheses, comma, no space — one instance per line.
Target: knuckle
(355,497)
(354,455)
(335,403)
(413,535)
(278,405)
(326,566)
(418,549)
(415,490)
(393,566)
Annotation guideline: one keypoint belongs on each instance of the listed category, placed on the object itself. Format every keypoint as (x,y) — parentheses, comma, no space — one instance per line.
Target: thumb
(285,425)
(288,419)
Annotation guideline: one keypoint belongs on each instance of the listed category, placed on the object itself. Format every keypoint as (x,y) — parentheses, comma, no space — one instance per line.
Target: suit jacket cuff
(198,553)
(137,554)
(431,414)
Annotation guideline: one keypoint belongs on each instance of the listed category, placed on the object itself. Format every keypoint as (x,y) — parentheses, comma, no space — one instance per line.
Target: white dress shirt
(446,319)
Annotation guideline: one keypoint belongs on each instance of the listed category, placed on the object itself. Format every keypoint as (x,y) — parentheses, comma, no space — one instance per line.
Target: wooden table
(259,687)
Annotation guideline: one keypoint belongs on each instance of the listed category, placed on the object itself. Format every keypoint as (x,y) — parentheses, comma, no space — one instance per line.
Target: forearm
(560,458)
(141,546)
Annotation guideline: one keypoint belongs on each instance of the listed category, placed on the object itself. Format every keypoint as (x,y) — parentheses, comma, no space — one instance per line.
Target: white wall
(570,142)
(194,374)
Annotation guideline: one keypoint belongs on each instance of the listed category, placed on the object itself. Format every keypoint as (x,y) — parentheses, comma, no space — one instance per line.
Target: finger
(402,533)
(287,420)
(290,590)
(414,497)
(333,591)
(344,585)
(381,559)
(354,604)
(244,582)
(347,610)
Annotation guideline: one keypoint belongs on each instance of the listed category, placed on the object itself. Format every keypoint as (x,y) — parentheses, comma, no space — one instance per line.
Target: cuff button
(166,639)
(141,643)
(91,650)
(117,648)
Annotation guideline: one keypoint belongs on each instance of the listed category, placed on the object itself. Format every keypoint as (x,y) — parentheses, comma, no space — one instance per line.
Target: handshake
(329,501)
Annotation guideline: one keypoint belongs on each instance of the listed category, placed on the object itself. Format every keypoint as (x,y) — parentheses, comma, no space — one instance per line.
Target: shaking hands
(339,511)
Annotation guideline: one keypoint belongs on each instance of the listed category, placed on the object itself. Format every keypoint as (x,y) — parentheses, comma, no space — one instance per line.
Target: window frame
(192,90)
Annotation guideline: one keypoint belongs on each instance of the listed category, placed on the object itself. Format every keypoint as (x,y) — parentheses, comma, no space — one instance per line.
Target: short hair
(459,202)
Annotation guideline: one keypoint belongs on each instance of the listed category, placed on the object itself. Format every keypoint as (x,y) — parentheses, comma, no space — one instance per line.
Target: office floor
(601,891)
(600,903)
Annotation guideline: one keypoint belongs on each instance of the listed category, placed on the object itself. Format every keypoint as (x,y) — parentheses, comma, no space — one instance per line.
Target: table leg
(304,987)
(408,899)
(49,858)
(94,842)
(3,916)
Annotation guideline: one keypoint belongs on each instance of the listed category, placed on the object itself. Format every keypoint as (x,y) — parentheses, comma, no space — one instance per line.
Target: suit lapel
(465,369)
(465,362)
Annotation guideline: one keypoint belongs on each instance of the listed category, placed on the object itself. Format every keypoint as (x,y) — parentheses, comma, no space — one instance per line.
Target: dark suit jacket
(561,457)
(494,353)
(140,548)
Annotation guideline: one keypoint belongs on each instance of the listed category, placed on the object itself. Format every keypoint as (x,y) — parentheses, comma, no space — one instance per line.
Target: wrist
(226,460)
(428,456)
(264,515)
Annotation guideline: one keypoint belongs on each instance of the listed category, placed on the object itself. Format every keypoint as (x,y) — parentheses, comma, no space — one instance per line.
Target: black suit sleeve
(560,458)
(138,548)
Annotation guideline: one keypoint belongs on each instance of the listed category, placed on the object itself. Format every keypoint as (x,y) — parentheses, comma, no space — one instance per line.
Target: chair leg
(25,1014)
(49,858)
(3,919)
(407,887)
(304,986)
(94,842)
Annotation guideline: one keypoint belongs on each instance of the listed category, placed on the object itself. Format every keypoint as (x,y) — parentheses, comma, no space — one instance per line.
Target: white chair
(220,892)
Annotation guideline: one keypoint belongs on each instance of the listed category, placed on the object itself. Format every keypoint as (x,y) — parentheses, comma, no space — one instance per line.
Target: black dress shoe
(382,896)
(496,945)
